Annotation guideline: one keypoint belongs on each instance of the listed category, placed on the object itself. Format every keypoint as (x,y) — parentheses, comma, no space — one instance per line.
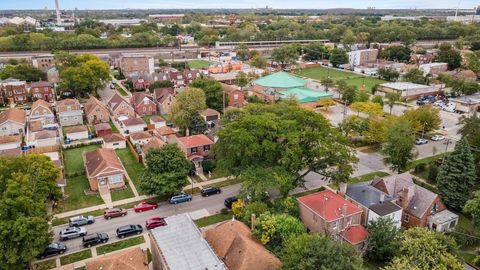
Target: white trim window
(115,179)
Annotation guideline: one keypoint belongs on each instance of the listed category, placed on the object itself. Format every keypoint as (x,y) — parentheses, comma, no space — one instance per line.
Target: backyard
(133,167)
(199,64)
(73,159)
(319,73)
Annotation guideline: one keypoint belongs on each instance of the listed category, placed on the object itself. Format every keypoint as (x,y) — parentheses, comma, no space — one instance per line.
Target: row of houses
(13,91)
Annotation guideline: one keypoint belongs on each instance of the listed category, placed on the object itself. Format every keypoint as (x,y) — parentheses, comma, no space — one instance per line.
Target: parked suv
(210,191)
(129,230)
(94,239)
(179,198)
(72,232)
(114,212)
(53,249)
(81,220)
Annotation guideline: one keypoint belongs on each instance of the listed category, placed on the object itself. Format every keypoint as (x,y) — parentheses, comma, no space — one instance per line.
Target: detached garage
(76,133)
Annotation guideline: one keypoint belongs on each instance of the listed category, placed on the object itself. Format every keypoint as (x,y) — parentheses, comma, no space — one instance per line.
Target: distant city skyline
(245,4)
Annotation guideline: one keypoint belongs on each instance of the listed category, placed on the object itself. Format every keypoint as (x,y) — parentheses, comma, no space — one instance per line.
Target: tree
(353,125)
(285,55)
(424,249)
(449,55)
(258,61)
(397,53)
(388,74)
(416,76)
(368,107)
(378,99)
(166,172)
(23,72)
(376,129)
(399,144)
(273,230)
(383,240)
(315,51)
(243,53)
(213,92)
(327,83)
(241,80)
(185,105)
(26,183)
(348,39)
(392,98)
(472,208)
(456,176)
(363,96)
(160,84)
(424,118)
(349,94)
(338,57)
(313,251)
(473,62)
(256,208)
(197,124)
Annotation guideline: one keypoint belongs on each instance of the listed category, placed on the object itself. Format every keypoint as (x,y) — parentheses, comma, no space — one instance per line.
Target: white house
(387,209)
(46,138)
(140,138)
(132,125)
(10,142)
(76,133)
(114,141)
(12,122)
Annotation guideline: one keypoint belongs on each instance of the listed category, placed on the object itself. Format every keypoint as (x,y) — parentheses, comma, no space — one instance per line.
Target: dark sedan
(53,249)
(128,230)
(210,191)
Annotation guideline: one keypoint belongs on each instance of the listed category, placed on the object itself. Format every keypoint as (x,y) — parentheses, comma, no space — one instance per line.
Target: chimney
(382,198)
(344,210)
(342,190)
(57,9)
(405,198)
(253,220)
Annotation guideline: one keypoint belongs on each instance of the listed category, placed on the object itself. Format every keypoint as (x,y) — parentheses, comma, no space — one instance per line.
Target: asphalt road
(198,207)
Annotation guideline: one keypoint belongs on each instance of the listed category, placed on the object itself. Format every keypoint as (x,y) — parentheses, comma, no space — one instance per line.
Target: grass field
(319,73)
(199,63)
(73,159)
(122,194)
(120,245)
(75,257)
(134,168)
(76,198)
(203,222)
(45,265)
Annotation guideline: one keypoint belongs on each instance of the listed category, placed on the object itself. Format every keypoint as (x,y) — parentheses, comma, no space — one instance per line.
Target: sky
(277,4)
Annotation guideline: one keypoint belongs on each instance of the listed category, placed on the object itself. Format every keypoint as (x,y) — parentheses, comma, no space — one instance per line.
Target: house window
(334,225)
(115,179)
(194,150)
(206,148)
(452,224)
(407,218)
(349,221)
(116,144)
(144,109)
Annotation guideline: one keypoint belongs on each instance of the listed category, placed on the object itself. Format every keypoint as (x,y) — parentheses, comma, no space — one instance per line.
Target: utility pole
(223,91)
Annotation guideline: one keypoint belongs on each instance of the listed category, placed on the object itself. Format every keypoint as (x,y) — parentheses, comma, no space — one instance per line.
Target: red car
(155,222)
(145,206)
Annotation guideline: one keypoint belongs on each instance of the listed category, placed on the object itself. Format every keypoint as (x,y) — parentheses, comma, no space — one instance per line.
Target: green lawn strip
(75,257)
(199,63)
(76,197)
(73,159)
(120,245)
(81,268)
(307,192)
(203,222)
(60,221)
(45,265)
(133,167)
(426,160)
(122,194)
(195,191)
(228,182)
(121,91)
(217,174)
(113,127)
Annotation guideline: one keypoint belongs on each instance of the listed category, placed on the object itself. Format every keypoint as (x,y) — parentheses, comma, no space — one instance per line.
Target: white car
(439,103)
(438,138)
(449,107)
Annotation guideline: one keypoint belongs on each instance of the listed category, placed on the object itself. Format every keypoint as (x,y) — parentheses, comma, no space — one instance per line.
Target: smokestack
(405,198)
(57,9)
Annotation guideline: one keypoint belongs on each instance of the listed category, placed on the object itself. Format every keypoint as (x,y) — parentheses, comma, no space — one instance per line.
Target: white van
(450,107)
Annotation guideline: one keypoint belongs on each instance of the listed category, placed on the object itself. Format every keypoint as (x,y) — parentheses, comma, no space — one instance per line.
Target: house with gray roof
(421,207)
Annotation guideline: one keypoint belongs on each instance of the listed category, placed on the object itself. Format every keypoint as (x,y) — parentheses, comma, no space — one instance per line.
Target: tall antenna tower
(57,9)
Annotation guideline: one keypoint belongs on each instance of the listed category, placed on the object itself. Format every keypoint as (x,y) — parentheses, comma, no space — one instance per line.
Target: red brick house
(421,207)
(104,169)
(195,147)
(96,112)
(42,90)
(164,98)
(120,107)
(143,103)
(15,91)
(330,214)
(236,97)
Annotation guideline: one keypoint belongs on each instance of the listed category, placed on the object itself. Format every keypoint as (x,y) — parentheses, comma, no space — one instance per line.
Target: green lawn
(203,222)
(134,168)
(319,73)
(45,265)
(122,194)
(120,90)
(76,198)
(228,182)
(113,127)
(75,257)
(426,160)
(120,245)
(73,159)
(199,63)
(146,118)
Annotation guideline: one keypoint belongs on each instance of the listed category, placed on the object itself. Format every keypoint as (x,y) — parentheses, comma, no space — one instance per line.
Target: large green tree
(472,208)
(383,240)
(397,53)
(338,57)
(166,172)
(388,74)
(313,251)
(315,51)
(416,76)
(424,118)
(185,105)
(197,124)
(392,98)
(26,183)
(456,176)
(424,249)
(449,55)
(284,55)
(22,72)
(213,92)
(398,147)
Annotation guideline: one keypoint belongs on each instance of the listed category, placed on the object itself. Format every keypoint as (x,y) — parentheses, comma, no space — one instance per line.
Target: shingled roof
(13,114)
(130,259)
(102,161)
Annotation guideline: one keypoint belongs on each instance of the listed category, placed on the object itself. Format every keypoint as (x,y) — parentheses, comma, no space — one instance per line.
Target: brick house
(12,122)
(14,91)
(69,112)
(154,142)
(195,147)
(136,64)
(104,169)
(120,107)
(42,90)
(330,214)
(164,98)
(236,97)
(210,115)
(178,78)
(143,103)
(421,207)
(43,62)
(41,113)
(167,134)
(96,112)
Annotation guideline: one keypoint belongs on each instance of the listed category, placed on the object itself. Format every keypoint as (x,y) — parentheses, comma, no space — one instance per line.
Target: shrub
(433,172)
(209,165)
(238,207)
(256,208)
(420,168)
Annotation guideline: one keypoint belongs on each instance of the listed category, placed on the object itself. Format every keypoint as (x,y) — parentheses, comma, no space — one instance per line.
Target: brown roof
(133,122)
(229,88)
(68,101)
(162,93)
(92,103)
(35,126)
(42,103)
(11,152)
(75,129)
(98,161)
(13,114)
(156,119)
(138,97)
(114,137)
(163,131)
(102,126)
(45,134)
(233,243)
(131,259)
(140,135)
(10,139)
(153,143)
(41,84)
(210,112)
(115,101)
(195,141)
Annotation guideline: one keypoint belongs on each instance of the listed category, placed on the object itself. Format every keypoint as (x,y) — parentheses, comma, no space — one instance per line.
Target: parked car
(438,137)
(53,249)
(450,107)
(155,222)
(179,198)
(439,103)
(94,239)
(229,201)
(425,100)
(114,212)
(128,230)
(145,206)
(420,141)
(72,232)
(80,221)
(210,191)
